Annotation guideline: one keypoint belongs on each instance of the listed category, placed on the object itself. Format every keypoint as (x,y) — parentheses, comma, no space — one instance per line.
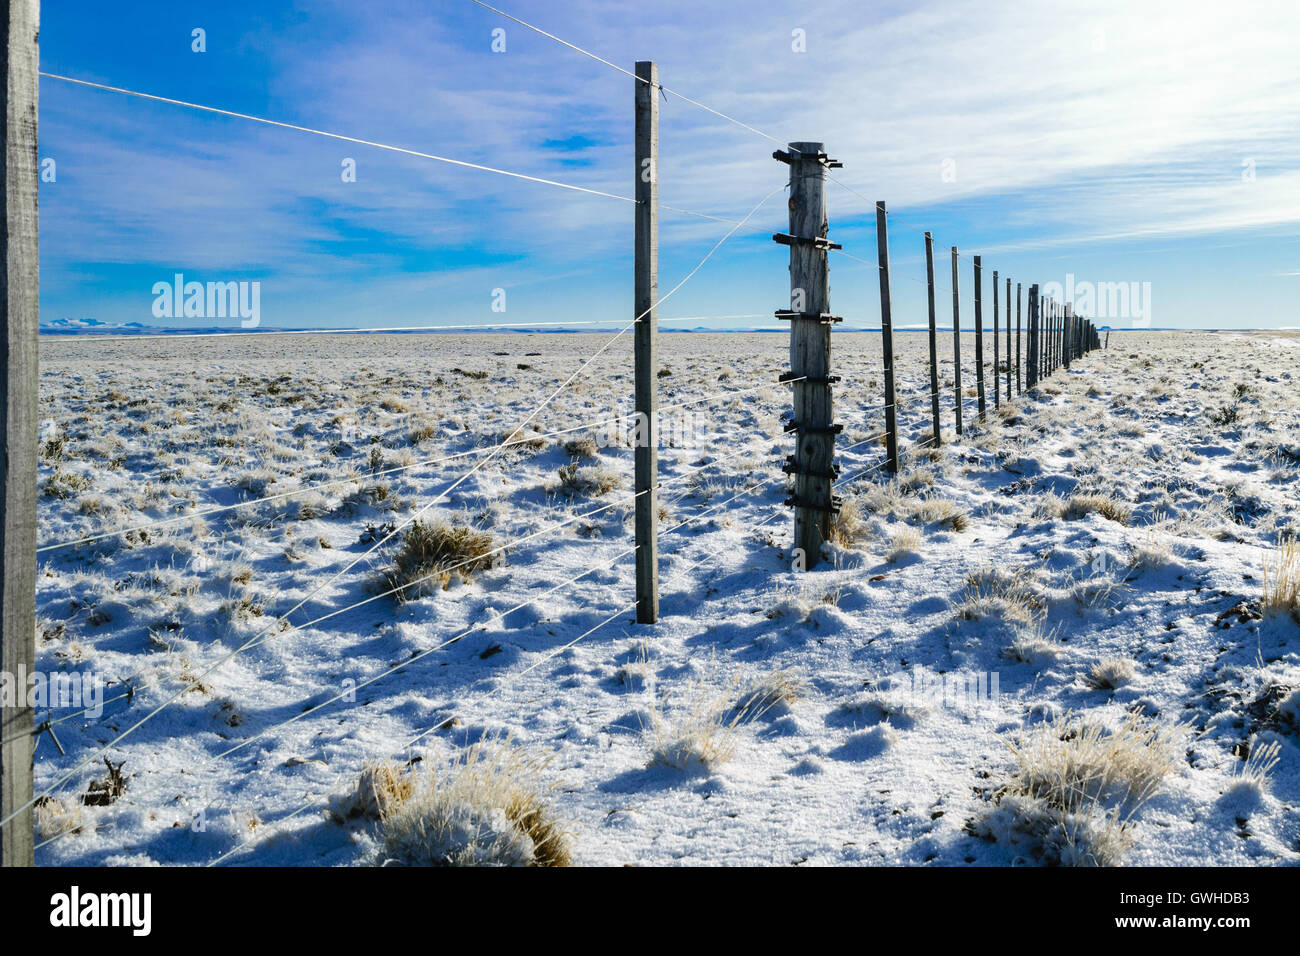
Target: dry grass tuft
(1256,772)
(55,817)
(777,689)
(903,543)
(591,481)
(1080,506)
(382,788)
(702,734)
(431,553)
(487,807)
(1110,673)
(847,526)
(1077,786)
(943,512)
(584,447)
(1009,595)
(1282,578)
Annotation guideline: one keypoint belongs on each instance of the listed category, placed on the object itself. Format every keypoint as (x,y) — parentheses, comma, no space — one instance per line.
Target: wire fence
(914,399)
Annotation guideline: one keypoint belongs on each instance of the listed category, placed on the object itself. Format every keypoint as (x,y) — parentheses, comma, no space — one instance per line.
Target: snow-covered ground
(1096,552)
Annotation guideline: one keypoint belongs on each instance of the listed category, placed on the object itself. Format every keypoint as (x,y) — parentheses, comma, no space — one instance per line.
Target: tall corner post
(813,462)
(646,295)
(19,366)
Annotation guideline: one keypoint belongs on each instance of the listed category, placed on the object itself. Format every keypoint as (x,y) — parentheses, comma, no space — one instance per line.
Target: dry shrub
(1282,578)
(1111,673)
(1080,506)
(905,542)
(55,817)
(433,552)
(584,447)
(1009,595)
(1077,786)
(382,788)
(487,807)
(702,734)
(776,689)
(847,526)
(941,511)
(527,440)
(1254,776)
(592,481)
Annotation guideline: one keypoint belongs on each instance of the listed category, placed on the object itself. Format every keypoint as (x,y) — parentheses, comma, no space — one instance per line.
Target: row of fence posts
(1052,337)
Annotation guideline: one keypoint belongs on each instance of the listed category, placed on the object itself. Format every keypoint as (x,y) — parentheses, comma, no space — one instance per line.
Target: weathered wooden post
(646,294)
(1009,339)
(1067,336)
(1019,377)
(956,338)
(1031,341)
(887,339)
(934,347)
(979,338)
(997,402)
(1050,316)
(1045,334)
(18,439)
(813,463)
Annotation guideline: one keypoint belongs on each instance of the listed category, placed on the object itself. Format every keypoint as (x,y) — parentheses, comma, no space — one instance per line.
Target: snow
(868,765)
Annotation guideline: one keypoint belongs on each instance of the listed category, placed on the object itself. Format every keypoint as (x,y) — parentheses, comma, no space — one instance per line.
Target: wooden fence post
(997,402)
(934,346)
(1068,335)
(979,339)
(1045,337)
(18,381)
(1031,340)
(1050,312)
(1019,377)
(1009,340)
(956,338)
(813,463)
(887,339)
(646,294)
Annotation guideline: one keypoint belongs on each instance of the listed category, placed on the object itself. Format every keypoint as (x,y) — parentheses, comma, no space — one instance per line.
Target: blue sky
(1118,142)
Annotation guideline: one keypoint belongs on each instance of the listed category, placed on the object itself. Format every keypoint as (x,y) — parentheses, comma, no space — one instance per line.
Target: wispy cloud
(1020,127)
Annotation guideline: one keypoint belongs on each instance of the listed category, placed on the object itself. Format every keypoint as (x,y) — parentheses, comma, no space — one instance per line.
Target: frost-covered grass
(1095,546)
(487,807)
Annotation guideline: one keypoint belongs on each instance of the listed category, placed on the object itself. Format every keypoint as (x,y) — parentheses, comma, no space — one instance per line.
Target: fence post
(1031,340)
(979,338)
(646,456)
(997,402)
(1068,335)
(813,463)
(934,347)
(887,339)
(1008,341)
(21,280)
(1050,315)
(1018,376)
(956,338)
(1045,335)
